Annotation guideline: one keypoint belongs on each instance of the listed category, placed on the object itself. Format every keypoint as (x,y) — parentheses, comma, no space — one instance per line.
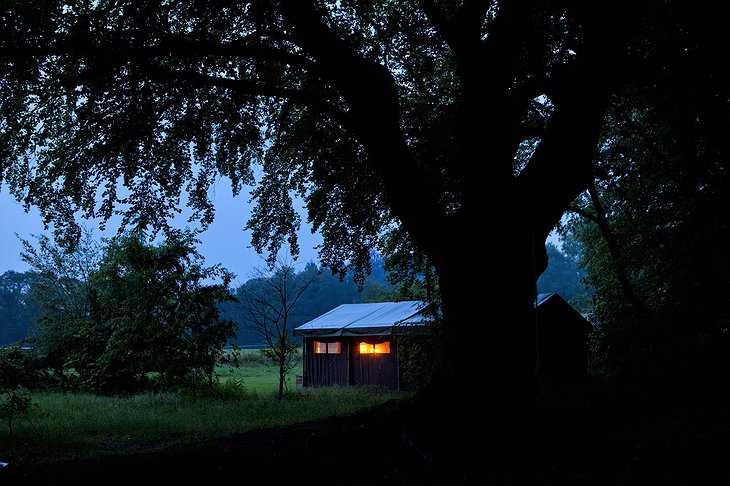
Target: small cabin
(354,344)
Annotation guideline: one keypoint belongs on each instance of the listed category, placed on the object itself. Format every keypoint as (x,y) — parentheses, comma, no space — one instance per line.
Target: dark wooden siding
(350,367)
(562,343)
(373,369)
(324,369)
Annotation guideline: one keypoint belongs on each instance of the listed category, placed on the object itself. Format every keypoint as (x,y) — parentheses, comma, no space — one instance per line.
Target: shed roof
(365,319)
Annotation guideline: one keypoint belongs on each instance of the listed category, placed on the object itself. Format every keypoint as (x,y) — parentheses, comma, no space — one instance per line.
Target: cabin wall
(562,344)
(350,367)
(374,369)
(324,369)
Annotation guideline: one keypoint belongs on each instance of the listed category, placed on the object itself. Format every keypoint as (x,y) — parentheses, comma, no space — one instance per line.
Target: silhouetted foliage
(135,309)
(661,182)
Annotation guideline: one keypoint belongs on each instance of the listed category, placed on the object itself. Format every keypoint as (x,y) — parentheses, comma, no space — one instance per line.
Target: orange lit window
(327,348)
(379,348)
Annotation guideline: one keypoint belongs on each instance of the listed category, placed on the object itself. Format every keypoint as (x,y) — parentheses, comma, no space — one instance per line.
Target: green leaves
(661,175)
(138,309)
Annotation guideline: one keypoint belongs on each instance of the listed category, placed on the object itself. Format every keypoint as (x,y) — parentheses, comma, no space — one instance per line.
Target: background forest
(19,295)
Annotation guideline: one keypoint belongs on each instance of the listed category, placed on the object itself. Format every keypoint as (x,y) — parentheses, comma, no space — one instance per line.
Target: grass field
(63,426)
(256,373)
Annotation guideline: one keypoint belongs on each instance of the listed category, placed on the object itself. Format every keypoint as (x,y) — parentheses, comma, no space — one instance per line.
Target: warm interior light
(379,348)
(382,348)
(327,348)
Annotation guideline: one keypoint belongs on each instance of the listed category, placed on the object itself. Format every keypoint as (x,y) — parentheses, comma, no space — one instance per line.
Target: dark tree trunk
(480,401)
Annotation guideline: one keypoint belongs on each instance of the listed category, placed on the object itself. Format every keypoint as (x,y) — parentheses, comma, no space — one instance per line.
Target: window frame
(317,347)
(374,348)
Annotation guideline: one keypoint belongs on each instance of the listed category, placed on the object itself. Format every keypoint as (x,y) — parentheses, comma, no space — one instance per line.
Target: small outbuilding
(354,344)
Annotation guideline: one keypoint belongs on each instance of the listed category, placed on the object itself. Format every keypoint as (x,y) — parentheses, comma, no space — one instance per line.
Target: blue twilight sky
(224,242)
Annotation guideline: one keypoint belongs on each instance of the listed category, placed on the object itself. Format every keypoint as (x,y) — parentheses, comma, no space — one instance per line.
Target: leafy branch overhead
(123,107)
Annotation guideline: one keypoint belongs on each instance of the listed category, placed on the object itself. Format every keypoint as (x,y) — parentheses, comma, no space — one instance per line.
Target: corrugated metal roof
(360,319)
(374,318)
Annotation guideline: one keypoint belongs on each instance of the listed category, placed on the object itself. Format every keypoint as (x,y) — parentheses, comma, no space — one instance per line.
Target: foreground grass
(63,426)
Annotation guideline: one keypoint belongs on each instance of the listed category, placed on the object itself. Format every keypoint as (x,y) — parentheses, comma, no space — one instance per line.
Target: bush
(19,368)
(13,402)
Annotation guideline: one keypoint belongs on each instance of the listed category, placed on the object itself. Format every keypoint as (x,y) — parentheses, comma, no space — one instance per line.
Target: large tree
(471,125)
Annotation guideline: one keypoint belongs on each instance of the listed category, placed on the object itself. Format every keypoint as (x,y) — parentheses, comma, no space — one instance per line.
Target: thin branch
(250,88)
(437,18)
(165,47)
(615,251)
(583,213)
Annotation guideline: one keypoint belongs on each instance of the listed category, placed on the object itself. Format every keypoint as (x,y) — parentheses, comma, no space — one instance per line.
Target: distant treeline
(18,311)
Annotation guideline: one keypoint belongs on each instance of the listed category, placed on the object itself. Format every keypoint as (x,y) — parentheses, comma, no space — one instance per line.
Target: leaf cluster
(662,178)
(142,311)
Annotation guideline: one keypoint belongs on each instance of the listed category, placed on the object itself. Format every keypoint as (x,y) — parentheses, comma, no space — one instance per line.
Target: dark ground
(597,438)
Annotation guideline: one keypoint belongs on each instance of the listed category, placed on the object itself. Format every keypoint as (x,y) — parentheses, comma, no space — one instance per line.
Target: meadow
(63,426)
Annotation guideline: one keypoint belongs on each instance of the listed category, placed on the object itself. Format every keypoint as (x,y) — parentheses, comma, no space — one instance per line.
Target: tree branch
(374,106)
(437,18)
(462,32)
(583,213)
(615,251)
(250,88)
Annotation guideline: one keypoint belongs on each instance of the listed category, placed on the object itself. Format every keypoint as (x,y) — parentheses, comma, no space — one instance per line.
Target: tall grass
(256,373)
(63,426)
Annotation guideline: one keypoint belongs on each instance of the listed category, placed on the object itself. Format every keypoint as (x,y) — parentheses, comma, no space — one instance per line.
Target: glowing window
(379,348)
(327,348)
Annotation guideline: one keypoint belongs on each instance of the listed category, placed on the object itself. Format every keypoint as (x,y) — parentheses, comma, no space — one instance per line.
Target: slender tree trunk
(615,251)
(282,358)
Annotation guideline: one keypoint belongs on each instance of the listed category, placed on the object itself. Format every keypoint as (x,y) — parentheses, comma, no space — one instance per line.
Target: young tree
(156,313)
(451,119)
(62,290)
(269,299)
(19,371)
(135,309)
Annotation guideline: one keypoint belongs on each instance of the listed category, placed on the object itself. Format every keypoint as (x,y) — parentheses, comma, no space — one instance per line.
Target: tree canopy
(370,110)
(17,312)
